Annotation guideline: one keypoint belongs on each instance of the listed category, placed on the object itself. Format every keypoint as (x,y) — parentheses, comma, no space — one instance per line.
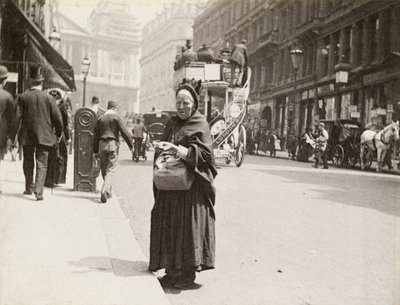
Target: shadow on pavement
(19,196)
(336,187)
(71,194)
(140,163)
(118,266)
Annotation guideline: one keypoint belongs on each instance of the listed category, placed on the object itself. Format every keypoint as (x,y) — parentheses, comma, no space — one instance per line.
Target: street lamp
(85,66)
(342,70)
(297,55)
(55,38)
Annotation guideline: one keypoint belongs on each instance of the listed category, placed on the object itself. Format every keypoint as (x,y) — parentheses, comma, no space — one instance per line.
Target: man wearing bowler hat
(105,145)
(96,106)
(38,115)
(7,115)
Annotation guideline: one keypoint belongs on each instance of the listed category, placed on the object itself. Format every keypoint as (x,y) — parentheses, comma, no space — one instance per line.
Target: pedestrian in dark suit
(106,143)
(238,59)
(58,157)
(96,106)
(7,115)
(41,128)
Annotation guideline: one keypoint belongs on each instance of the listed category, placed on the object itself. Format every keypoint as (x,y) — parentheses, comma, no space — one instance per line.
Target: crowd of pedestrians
(313,141)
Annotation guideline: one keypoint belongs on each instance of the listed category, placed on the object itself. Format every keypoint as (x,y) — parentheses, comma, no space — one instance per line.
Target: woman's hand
(167,146)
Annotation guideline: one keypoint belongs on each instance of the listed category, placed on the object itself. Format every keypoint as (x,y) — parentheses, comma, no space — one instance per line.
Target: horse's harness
(381,139)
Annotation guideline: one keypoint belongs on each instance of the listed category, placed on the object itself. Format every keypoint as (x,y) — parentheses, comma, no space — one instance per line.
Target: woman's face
(184,104)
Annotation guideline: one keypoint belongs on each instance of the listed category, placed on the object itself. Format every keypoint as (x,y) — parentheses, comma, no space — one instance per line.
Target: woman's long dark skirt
(182,230)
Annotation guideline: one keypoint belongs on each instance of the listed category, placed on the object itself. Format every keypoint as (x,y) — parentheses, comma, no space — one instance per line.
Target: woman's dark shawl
(194,134)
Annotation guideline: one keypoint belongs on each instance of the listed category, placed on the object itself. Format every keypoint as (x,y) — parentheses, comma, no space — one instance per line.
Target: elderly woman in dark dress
(182,239)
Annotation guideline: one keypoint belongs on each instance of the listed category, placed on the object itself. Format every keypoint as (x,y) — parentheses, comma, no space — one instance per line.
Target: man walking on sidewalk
(106,143)
(7,116)
(138,130)
(37,114)
(96,106)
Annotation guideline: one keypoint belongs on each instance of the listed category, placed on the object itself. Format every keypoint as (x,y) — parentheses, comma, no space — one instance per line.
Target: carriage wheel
(338,156)
(354,158)
(240,147)
(367,160)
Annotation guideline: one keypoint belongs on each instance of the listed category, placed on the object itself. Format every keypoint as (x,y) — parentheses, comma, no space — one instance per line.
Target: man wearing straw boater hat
(38,115)
(7,115)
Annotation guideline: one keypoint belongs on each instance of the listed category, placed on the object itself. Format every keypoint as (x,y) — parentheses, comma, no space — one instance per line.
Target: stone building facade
(112,44)
(162,40)
(361,33)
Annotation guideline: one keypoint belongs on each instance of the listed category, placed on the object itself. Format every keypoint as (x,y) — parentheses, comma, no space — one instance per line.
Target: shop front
(24,44)
(307,111)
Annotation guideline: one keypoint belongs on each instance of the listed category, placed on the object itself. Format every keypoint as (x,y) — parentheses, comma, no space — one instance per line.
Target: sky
(144,10)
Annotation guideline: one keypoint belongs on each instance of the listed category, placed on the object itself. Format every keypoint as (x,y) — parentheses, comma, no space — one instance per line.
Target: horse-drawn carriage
(344,142)
(155,123)
(223,105)
(349,144)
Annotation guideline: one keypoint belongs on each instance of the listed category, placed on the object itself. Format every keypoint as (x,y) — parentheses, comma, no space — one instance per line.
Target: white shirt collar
(38,87)
(109,111)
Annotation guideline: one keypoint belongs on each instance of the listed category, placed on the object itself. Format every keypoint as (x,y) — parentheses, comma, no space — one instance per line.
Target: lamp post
(297,55)
(85,66)
(342,70)
(55,38)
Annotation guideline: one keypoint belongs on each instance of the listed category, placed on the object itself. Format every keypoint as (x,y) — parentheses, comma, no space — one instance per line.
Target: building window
(236,8)
(325,56)
(281,65)
(269,71)
(263,74)
(359,44)
(268,21)
(260,27)
(93,60)
(284,24)
(374,30)
(336,48)
(242,8)
(297,14)
(247,5)
(347,43)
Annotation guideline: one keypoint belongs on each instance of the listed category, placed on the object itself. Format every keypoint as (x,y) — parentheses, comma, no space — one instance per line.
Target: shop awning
(57,71)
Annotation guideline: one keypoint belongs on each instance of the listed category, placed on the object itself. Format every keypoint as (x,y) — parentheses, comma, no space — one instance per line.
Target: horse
(379,141)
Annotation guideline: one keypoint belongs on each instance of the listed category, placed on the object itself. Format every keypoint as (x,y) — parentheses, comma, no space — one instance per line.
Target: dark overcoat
(239,54)
(38,114)
(7,116)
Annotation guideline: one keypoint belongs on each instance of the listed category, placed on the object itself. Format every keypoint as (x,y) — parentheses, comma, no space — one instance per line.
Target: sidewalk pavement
(68,249)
